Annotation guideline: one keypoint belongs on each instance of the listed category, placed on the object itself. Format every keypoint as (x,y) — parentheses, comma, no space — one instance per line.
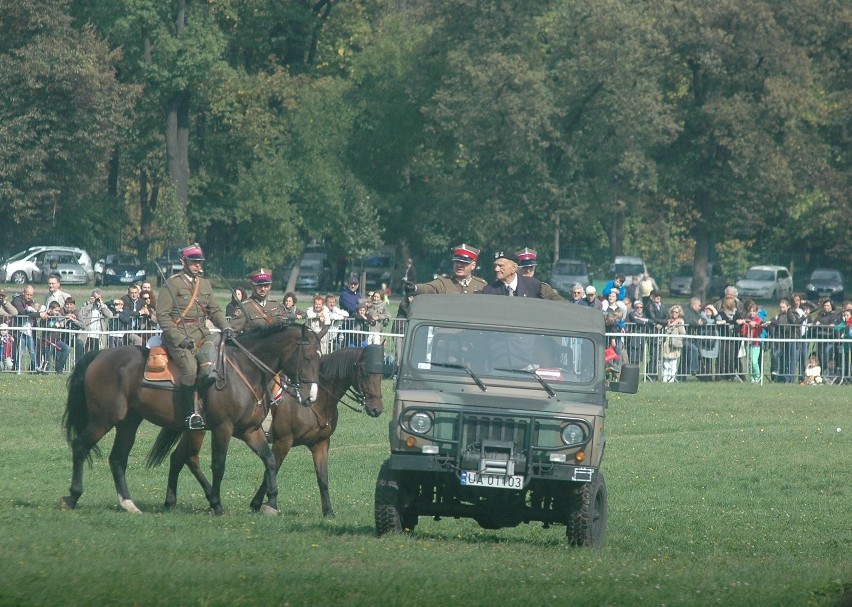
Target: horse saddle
(159,367)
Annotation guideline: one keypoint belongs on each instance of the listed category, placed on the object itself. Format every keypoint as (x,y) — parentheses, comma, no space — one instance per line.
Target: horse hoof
(217,511)
(267,510)
(129,506)
(65,503)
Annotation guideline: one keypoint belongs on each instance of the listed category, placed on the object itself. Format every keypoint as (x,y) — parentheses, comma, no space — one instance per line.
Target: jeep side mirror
(628,380)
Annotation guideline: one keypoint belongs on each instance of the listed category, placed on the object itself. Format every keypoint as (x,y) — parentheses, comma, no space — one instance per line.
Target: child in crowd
(7,348)
(813,372)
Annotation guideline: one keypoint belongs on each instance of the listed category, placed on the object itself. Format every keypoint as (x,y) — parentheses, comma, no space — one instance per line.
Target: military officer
(258,309)
(184,305)
(527,262)
(462,280)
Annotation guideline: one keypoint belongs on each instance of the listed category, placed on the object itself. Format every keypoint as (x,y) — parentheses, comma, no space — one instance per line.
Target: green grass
(718,494)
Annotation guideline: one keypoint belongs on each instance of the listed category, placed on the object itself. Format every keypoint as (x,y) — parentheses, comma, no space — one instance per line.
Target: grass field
(718,495)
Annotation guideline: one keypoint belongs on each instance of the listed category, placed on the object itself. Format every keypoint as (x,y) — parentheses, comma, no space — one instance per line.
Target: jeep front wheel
(586,513)
(389,510)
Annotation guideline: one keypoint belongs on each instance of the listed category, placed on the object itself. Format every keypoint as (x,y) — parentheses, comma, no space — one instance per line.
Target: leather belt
(192,321)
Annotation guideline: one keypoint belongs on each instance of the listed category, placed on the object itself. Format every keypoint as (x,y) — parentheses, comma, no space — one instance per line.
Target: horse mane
(338,364)
(261,332)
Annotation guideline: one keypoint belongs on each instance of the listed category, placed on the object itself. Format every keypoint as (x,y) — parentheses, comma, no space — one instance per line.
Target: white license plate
(494,481)
(126,279)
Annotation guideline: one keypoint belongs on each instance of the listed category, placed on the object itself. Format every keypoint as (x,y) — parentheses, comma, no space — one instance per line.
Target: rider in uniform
(258,309)
(184,305)
(462,280)
(527,262)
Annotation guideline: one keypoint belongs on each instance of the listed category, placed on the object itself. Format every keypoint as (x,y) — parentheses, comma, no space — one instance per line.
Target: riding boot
(186,400)
(207,376)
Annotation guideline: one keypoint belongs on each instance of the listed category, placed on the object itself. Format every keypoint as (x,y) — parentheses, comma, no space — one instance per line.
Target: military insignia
(238,312)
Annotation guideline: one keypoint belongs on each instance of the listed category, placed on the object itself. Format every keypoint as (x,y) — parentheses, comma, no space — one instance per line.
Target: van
(629,266)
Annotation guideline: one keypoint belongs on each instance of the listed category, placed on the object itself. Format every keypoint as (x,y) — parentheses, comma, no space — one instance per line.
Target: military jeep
(499,416)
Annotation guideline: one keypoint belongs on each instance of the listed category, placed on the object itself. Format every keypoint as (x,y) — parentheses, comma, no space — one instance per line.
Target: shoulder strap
(260,309)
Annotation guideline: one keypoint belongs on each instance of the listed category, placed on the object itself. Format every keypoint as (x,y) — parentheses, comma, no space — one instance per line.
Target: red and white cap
(465,253)
(261,277)
(526,257)
(192,252)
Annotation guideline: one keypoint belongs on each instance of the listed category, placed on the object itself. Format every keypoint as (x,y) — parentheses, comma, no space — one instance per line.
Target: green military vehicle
(499,416)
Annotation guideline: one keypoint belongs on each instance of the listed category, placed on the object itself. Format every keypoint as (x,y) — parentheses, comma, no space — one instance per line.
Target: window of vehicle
(569,268)
(760,275)
(504,354)
(629,269)
(825,275)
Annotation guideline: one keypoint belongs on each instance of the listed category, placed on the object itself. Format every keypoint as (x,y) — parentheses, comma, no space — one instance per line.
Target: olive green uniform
(173,299)
(255,313)
(548,292)
(449,285)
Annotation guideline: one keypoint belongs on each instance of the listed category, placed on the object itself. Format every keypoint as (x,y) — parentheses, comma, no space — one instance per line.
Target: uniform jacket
(174,298)
(256,313)
(527,287)
(448,285)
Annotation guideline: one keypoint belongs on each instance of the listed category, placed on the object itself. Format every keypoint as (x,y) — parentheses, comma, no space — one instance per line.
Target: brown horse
(106,390)
(353,371)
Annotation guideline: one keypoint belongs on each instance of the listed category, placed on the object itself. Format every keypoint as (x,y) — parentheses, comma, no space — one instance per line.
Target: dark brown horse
(106,391)
(356,372)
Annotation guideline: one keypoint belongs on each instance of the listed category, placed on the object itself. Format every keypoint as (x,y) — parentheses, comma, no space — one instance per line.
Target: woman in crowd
(728,322)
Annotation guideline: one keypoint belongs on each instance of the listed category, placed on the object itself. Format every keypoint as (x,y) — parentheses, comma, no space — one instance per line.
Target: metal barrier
(711,353)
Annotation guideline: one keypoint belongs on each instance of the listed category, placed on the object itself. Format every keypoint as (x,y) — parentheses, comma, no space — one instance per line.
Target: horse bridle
(357,392)
(289,386)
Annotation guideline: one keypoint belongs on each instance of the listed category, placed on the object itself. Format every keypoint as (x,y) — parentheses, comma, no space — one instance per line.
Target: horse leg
(280,449)
(319,451)
(221,436)
(256,440)
(186,452)
(80,448)
(125,436)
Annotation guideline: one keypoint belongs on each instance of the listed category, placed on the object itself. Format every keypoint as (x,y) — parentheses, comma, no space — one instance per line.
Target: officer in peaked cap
(258,309)
(185,304)
(527,262)
(462,280)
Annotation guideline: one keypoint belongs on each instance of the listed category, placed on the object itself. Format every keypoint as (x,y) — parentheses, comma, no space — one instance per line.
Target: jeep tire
(587,513)
(391,515)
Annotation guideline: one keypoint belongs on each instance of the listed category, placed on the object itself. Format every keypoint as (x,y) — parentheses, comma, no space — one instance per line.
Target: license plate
(126,279)
(494,481)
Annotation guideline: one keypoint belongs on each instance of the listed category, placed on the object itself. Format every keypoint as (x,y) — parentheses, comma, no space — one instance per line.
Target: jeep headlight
(420,423)
(573,434)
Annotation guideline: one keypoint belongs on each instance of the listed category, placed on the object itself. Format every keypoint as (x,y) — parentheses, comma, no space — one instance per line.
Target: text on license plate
(495,481)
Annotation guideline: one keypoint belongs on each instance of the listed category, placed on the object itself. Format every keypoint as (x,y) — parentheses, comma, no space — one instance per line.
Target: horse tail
(76,416)
(166,439)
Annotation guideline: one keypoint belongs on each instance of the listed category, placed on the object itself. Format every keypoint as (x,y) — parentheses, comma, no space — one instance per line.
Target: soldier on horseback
(184,305)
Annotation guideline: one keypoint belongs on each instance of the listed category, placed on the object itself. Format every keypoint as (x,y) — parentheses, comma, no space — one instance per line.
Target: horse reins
(263,367)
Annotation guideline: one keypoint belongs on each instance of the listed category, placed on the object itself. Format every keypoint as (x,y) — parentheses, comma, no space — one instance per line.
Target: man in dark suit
(509,282)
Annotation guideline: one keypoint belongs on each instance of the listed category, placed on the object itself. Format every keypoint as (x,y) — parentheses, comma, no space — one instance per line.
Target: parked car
(23,267)
(379,268)
(169,263)
(568,272)
(766,282)
(313,275)
(121,269)
(629,266)
(66,265)
(825,283)
(681,282)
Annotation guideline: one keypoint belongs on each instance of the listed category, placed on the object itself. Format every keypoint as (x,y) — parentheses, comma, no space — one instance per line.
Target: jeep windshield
(495,353)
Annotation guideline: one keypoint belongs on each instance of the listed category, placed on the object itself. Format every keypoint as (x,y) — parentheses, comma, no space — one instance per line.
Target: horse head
(370,374)
(301,363)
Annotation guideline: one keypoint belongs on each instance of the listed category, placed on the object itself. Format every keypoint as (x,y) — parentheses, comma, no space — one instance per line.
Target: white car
(766,282)
(569,272)
(25,266)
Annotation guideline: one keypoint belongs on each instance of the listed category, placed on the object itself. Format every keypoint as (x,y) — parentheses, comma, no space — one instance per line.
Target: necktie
(511,291)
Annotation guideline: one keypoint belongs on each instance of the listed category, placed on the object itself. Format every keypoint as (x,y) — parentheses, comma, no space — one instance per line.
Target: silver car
(766,282)
(569,272)
(25,266)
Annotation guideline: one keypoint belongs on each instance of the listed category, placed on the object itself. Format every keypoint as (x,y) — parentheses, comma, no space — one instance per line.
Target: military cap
(192,252)
(506,255)
(261,277)
(465,253)
(526,257)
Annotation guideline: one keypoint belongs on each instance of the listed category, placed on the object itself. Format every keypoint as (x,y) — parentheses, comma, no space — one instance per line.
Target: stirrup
(194,421)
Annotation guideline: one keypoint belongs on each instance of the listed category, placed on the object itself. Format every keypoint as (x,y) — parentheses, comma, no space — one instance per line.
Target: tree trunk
(177,129)
(699,262)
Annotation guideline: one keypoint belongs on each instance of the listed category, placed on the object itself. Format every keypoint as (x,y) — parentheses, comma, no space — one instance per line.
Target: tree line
(681,130)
